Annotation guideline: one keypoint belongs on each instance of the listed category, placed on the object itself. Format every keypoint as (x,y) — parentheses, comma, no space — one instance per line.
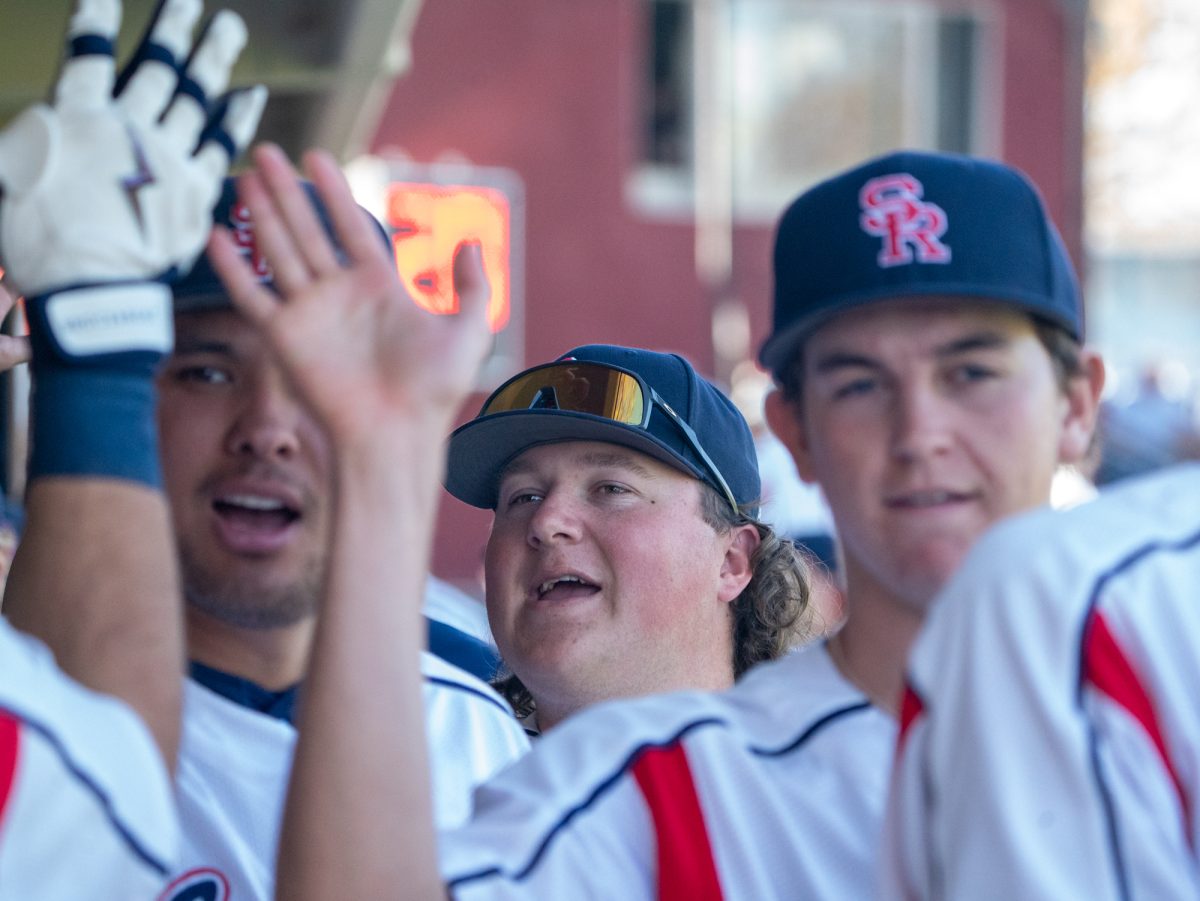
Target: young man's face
(603,579)
(246,472)
(926,421)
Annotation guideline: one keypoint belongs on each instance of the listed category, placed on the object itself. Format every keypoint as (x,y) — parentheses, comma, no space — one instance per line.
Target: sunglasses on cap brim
(600,390)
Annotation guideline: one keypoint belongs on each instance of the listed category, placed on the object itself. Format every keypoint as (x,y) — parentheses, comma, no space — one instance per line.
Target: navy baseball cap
(640,399)
(913,224)
(201,289)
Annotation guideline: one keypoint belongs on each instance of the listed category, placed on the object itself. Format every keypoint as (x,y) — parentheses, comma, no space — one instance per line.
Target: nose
(268,421)
(921,427)
(556,519)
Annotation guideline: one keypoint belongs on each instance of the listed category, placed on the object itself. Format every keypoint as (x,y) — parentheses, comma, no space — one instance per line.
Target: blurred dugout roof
(329,66)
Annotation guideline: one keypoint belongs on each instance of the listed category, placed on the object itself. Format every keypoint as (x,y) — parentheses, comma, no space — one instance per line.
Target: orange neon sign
(429,221)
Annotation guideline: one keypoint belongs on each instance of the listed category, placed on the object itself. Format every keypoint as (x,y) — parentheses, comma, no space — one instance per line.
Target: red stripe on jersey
(686,869)
(10,744)
(1106,666)
(911,707)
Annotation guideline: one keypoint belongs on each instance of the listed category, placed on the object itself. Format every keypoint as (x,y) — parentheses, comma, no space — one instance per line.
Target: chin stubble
(244,605)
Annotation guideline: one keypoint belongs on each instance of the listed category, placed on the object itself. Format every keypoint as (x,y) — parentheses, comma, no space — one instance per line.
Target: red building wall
(551,89)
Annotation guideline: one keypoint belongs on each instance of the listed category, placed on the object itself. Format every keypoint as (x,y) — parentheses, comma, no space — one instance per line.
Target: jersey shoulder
(777,707)
(456,698)
(594,772)
(79,762)
(1032,582)
(444,679)
(1047,560)
(472,734)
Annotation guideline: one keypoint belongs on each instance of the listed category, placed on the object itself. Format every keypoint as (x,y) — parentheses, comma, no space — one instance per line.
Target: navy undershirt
(279,704)
(461,649)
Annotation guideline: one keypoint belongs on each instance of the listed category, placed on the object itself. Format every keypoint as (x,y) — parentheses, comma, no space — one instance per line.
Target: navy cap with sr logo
(917,224)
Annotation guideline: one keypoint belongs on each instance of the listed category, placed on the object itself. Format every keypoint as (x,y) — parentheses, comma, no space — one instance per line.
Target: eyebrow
(840,359)
(203,346)
(986,340)
(522,466)
(982,340)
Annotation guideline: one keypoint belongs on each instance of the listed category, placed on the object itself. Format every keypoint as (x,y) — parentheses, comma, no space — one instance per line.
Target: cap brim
(479,450)
(780,347)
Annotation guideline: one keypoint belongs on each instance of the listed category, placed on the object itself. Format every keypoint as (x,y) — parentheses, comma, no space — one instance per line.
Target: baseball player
(1050,730)
(384,379)
(249,473)
(103,193)
(927,329)
(624,557)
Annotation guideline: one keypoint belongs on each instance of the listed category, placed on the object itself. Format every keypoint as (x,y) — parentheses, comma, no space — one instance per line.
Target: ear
(1083,407)
(737,568)
(787,423)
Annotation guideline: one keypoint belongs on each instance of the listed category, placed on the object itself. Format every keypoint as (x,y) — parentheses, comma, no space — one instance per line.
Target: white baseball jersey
(774,789)
(1052,730)
(234,766)
(85,800)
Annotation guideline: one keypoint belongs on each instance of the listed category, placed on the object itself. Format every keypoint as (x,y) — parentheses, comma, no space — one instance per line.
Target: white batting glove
(105,189)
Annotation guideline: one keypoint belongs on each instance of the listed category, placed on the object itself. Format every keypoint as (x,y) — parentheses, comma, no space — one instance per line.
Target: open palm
(359,351)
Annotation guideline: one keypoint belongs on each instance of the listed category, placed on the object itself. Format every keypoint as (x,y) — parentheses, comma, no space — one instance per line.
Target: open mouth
(924,500)
(255,524)
(255,511)
(565,587)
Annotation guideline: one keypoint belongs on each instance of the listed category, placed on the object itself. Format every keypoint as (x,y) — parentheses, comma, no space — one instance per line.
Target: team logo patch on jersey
(911,228)
(200,884)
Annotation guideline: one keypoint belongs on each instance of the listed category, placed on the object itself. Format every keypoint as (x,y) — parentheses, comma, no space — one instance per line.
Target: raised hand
(100,188)
(385,377)
(359,350)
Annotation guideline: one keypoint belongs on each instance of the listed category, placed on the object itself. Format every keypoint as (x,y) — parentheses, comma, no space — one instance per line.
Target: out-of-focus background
(625,160)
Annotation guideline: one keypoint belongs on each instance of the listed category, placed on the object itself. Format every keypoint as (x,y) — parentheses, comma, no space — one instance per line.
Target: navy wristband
(93,402)
(94,422)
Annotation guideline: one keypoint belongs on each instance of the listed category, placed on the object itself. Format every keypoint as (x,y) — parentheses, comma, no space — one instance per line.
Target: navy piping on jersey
(1154,547)
(812,730)
(93,788)
(458,686)
(632,758)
